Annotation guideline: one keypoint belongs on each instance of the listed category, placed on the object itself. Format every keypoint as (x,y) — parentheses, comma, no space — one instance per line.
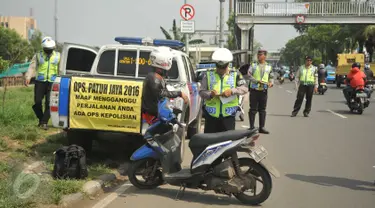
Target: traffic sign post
(187,27)
(187,13)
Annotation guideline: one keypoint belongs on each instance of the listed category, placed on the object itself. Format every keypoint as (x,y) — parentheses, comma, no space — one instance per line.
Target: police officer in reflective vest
(307,83)
(45,67)
(219,90)
(261,78)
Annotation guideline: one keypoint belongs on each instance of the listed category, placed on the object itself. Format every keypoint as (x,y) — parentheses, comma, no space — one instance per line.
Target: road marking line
(107,200)
(289,91)
(244,126)
(337,114)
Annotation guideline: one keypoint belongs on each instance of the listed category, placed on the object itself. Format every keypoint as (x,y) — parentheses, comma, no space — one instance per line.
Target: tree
(232,33)
(13,47)
(35,41)
(178,36)
(4,64)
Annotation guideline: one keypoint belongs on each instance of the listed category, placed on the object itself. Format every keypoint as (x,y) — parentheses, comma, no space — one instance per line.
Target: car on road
(98,86)
(331,72)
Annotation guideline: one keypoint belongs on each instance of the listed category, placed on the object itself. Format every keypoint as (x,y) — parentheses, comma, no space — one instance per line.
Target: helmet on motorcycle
(321,66)
(222,57)
(161,57)
(356,64)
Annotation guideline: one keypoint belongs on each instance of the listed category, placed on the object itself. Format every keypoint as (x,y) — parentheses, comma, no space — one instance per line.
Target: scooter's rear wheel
(146,170)
(261,175)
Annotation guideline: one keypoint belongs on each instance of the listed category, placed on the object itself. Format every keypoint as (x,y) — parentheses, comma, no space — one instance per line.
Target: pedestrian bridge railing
(306,8)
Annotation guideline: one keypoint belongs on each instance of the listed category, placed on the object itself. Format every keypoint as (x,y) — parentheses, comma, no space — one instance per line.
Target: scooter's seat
(203,140)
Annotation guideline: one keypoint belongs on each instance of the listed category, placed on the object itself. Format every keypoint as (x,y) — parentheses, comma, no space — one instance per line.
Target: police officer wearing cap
(261,78)
(307,83)
(219,90)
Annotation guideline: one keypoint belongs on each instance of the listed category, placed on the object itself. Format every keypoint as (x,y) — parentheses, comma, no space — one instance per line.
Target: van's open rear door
(77,59)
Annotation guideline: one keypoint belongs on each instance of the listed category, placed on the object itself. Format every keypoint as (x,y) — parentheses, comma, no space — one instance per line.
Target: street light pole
(55,20)
(221,39)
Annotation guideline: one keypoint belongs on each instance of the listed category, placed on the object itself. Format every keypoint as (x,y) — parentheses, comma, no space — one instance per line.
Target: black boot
(252,119)
(263,131)
(262,122)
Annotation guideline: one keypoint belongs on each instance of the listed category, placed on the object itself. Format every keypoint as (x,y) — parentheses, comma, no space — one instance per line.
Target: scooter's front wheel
(149,170)
(260,175)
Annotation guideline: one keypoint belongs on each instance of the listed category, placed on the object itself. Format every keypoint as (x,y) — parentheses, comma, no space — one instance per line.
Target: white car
(128,62)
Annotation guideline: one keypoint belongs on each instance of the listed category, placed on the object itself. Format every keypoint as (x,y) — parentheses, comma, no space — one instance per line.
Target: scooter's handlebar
(175,121)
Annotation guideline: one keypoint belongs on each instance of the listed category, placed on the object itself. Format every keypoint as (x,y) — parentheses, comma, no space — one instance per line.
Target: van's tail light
(54,100)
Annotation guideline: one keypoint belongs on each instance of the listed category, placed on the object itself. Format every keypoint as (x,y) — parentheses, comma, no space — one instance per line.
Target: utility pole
(186,39)
(55,21)
(221,39)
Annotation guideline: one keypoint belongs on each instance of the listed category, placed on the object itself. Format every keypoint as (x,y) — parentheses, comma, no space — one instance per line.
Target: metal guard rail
(306,8)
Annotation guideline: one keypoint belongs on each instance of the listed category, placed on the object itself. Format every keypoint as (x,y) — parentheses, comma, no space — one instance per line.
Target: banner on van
(103,104)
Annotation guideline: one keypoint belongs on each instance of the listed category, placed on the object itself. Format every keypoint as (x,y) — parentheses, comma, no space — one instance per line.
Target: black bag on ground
(70,163)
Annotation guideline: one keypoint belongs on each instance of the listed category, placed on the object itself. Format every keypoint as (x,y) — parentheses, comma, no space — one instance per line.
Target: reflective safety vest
(257,75)
(307,75)
(47,69)
(214,106)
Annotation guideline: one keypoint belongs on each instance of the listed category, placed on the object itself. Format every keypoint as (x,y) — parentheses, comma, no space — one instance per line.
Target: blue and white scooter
(215,164)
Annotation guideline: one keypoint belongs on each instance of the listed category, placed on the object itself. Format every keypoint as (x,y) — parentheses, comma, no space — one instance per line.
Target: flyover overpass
(248,14)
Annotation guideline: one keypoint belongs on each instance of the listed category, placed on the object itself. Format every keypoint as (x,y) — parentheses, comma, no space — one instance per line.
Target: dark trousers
(214,125)
(303,90)
(42,90)
(258,103)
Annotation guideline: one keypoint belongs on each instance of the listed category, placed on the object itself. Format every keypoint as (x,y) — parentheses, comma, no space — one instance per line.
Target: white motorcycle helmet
(162,57)
(321,66)
(222,57)
(48,43)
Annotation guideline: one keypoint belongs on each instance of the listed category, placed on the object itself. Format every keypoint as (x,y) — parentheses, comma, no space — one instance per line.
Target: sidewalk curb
(90,188)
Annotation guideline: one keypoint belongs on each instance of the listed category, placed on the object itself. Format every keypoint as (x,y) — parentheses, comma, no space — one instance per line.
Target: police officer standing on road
(261,78)
(45,67)
(220,89)
(307,82)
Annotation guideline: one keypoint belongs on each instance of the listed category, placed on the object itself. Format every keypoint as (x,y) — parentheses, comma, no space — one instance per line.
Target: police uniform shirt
(240,88)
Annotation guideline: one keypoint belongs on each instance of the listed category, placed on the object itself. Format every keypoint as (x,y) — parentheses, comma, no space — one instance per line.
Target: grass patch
(63,187)
(97,170)
(17,119)
(22,141)
(3,145)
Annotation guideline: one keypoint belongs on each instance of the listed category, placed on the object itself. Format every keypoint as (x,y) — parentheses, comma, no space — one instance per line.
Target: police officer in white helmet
(217,84)
(45,66)
(154,85)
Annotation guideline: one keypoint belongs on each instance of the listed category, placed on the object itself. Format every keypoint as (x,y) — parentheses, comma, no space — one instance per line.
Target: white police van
(104,62)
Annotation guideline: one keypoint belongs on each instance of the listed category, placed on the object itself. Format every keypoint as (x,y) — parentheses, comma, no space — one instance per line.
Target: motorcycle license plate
(258,153)
(361,95)
(323,84)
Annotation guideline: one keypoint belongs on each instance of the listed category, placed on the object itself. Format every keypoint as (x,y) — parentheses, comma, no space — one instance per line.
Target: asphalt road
(325,160)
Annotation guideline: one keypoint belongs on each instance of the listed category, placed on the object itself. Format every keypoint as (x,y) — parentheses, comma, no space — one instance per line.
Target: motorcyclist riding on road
(356,79)
(154,85)
(322,73)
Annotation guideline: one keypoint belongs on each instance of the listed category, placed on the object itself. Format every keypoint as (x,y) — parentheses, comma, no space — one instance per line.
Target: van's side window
(106,64)
(127,63)
(186,68)
(145,66)
(191,69)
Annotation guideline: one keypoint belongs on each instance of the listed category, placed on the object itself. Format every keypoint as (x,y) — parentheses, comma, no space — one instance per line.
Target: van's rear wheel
(81,138)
